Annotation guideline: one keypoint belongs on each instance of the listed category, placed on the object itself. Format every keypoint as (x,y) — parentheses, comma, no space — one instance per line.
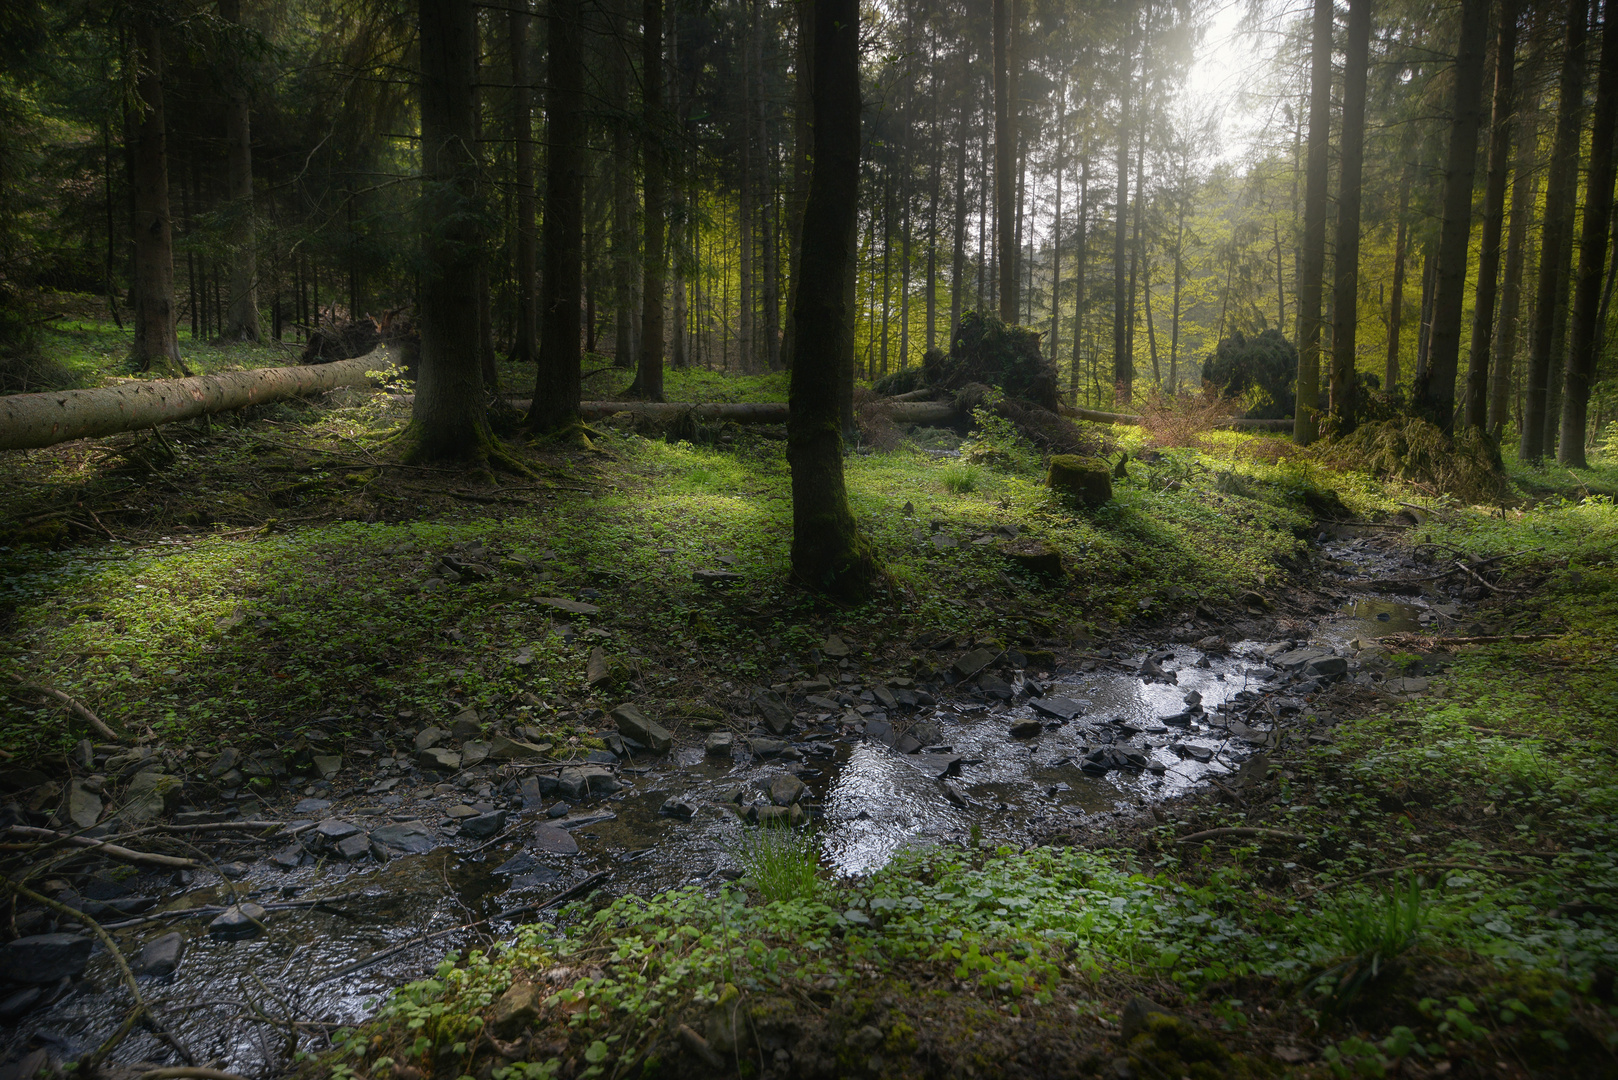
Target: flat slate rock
(973,662)
(161,956)
(1026,729)
(1060,707)
(483,826)
(554,841)
(238,922)
(312,806)
(44,958)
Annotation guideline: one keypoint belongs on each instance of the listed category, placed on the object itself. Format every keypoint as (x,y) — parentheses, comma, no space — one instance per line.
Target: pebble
(238,922)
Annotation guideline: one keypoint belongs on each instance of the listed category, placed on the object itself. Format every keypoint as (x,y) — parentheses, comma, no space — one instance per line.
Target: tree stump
(1088,481)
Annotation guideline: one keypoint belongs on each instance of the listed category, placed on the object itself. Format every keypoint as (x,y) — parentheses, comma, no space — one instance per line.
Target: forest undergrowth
(1428,892)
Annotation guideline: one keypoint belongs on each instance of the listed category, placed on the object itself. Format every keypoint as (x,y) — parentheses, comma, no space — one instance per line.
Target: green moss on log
(1088,481)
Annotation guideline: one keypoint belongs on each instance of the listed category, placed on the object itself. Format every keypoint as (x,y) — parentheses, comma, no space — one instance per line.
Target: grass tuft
(780,863)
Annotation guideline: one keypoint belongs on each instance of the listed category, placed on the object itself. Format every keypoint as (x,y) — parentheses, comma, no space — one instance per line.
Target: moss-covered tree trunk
(449,420)
(1311,281)
(1494,216)
(1346,301)
(649,374)
(556,388)
(523,347)
(828,553)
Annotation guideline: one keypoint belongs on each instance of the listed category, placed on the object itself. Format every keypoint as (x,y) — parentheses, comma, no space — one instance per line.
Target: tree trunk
(1559,194)
(1056,225)
(241,323)
(906,198)
(1179,282)
(802,134)
(887,250)
(1135,243)
(1081,244)
(932,212)
(1524,193)
(523,347)
(746,209)
(556,387)
(1581,357)
(623,191)
(1123,372)
(1312,282)
(1346,302)
(768,185)
(957,273)
(649,378)
(828,553)
(448,420)
(155,340)
(1396,304)
(1494,213)
(1005,161)
(28,421)
(1435,397)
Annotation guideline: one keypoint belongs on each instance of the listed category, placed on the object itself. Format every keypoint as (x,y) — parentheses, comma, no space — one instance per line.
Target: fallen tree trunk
(28,421)
(765,412)
(1239,423)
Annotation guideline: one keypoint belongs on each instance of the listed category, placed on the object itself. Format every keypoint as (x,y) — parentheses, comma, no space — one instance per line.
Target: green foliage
(959,479)
(1261,371)
(1416,451)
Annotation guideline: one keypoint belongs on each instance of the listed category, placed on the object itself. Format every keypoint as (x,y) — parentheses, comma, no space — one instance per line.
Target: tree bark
(448,420)
(1346,302)
(1396,302)
(1123,370)
(828,553)
(1435,396)
(1524,185)
(623,191)
(933,191)
(957,274)
(802,134)
(746,209)
(1583,325)
(768,185)
(1081,246)
(523,348)
(1494,213)
(649,378)
(1559,194)
(556,387)
(1311,284)
(156,340)
(1056,224)
(241,321)
(1005,161)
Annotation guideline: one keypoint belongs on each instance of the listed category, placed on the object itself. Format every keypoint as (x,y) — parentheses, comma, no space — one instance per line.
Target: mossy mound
(1417,451)
(987,351)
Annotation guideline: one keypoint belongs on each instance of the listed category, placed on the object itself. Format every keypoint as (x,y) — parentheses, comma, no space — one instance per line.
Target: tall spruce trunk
(1396,300)
(1312,282)
(241,318)
(556,386)
(1494,214)
(156,340)
(448,420)
(1081,246)
(828,552)
(933,189)
(1559,193)
(523,345)
(1005,161)
(1346,300)
(1583,328)
(957,272)
(768,186)
(887,251)
(746,206)
(1524,193)
(1056,225)
(1136,242)
(623,191)
(1435,396)
(1123,372)
(1179,284)
(802,134)
(649,376)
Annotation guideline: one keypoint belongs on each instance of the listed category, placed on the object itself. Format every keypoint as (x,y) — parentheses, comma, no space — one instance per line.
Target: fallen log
(759,412)
(29,421)
(1238,423)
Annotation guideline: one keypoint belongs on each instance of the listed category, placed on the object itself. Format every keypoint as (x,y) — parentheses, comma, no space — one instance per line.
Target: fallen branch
(1271,834)
(140,1008)
(111,851)
(189,1073)
(74,706)
(219,909)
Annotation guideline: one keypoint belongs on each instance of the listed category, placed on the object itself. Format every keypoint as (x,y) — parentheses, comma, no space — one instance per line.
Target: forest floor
(1420,882)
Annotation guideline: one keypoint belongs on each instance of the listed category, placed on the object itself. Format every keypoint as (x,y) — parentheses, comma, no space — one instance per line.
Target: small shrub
(1178,420)
(1416,451)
